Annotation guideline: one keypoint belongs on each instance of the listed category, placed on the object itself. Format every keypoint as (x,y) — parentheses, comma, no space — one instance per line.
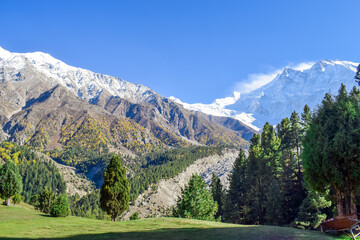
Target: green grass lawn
(22,222)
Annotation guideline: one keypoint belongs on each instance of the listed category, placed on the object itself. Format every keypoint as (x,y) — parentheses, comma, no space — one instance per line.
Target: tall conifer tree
(217,193)
(292,191)
(296,137)
(305,118)
(255,170)
(115,191)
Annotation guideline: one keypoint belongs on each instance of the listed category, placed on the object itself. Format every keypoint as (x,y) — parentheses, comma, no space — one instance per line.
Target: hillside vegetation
(22,222)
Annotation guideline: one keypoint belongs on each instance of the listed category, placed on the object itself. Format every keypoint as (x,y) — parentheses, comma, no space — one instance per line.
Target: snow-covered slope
(84,83)
(218,108)
(288,91)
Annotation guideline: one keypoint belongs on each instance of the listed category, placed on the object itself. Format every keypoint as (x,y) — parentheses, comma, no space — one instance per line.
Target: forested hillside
(36,173)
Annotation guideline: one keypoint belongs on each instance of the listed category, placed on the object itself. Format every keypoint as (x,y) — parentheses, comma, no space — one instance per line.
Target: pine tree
(10,181)
(269,168)
(310,213)
(115,191)
(217,193)
(284,134)
(305,118)
(357,76)
(270,158)
(236,194)
(292,192)
(253,208)
(296,137)
(196,201)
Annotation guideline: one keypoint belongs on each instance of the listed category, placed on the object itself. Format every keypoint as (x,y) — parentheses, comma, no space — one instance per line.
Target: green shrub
(16,199)
(61,207)
(135,216)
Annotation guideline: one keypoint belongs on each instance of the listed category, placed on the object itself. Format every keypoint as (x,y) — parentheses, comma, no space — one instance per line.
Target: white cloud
(257,80)
(302,66)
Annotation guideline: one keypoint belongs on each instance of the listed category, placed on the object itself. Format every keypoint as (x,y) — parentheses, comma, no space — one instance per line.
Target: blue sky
(195,50)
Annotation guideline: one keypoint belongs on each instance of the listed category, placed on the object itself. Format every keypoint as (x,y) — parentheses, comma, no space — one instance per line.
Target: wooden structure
(348,223)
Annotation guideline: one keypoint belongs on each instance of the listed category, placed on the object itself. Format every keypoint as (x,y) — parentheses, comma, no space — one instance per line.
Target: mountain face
(287,92)
(50,105)
(83,83)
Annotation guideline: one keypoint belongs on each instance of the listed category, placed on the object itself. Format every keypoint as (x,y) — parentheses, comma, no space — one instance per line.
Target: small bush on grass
(135,216)
(61,207)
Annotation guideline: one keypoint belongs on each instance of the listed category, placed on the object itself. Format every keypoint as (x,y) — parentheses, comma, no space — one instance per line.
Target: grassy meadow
(23,222)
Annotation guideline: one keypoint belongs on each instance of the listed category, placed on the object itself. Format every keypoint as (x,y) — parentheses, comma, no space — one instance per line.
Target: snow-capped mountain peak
(289,91)
(84,83)
(4,53)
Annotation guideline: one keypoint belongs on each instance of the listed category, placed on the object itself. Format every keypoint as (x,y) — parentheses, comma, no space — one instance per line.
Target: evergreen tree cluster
(36,173)
(36,176)
(267,186)
(48,202)
(76,155)
(331,153)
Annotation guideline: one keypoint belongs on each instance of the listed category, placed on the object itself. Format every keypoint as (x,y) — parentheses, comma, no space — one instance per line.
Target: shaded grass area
(22,222)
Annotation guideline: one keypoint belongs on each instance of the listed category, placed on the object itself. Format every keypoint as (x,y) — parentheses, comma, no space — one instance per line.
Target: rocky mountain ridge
(50,105)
